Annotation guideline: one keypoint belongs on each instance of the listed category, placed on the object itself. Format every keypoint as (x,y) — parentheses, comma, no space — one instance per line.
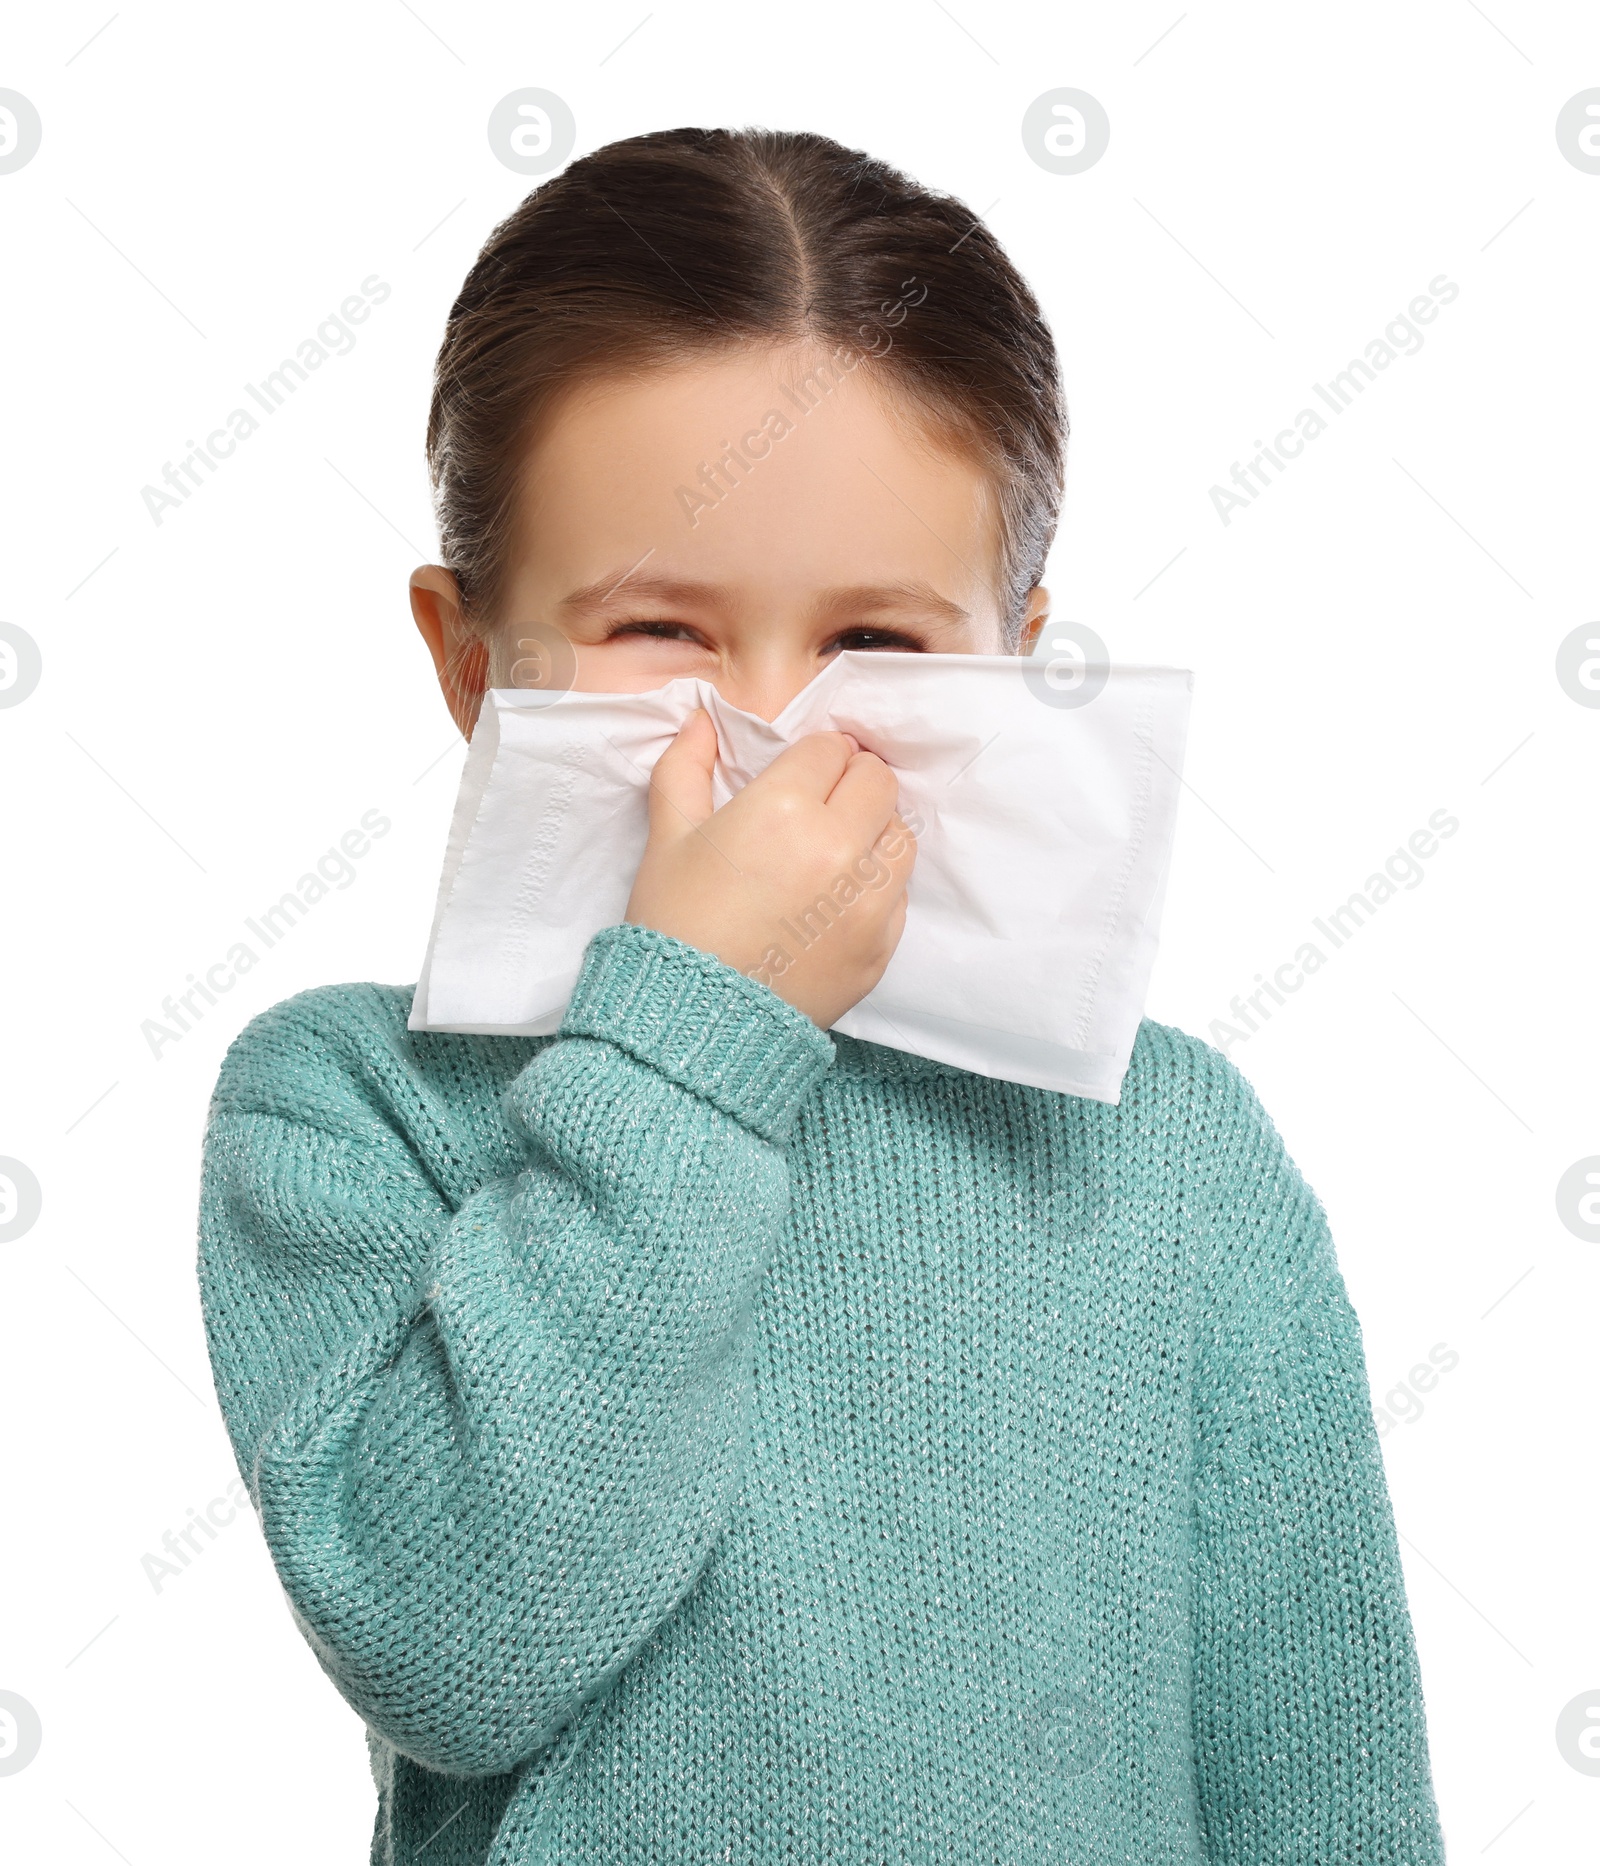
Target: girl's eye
(884,640)
(654,631)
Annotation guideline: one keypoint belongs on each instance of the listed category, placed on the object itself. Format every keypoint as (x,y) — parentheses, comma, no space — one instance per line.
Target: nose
(764,688)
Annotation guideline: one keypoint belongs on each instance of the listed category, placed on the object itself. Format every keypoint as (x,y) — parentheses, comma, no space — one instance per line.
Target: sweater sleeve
(493,1446)
(1310,1733)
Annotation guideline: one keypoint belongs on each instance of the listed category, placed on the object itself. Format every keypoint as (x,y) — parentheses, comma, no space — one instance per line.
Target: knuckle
(784,805)
(840,853)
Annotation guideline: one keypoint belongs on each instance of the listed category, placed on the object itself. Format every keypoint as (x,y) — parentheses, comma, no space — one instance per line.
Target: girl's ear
(460,654)
(1034,618)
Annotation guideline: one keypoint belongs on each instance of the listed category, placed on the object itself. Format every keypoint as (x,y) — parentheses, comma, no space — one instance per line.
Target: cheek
(636,663)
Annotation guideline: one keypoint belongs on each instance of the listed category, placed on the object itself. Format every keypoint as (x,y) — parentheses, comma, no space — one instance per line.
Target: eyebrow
(594,598)
(914,597)
(902,597)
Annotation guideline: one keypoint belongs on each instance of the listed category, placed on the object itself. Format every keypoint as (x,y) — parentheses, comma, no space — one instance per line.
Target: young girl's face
(742,518)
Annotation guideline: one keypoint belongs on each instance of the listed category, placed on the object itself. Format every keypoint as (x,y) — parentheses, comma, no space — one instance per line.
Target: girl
(694,1436)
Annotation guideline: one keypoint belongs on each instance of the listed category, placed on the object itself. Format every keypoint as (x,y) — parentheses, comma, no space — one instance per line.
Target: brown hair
(684,241)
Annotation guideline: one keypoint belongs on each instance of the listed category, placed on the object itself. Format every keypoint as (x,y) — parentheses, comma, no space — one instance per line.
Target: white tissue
(1042,856)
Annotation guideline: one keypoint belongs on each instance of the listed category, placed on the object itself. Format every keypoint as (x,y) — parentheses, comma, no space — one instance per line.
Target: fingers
(897,845)
(866,795)
(812,766)
(832,769)
(856,788)
(680,785)
(893,856)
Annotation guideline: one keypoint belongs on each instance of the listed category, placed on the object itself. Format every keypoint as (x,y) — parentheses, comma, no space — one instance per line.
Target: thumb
(680,785)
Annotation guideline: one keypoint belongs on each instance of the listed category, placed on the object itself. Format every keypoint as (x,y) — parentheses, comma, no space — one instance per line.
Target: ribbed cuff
(703,1025)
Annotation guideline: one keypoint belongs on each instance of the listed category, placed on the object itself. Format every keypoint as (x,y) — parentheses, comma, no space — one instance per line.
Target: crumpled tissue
(1044,812)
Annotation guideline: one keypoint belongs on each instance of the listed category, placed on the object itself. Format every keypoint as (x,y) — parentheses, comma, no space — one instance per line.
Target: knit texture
(694,1437)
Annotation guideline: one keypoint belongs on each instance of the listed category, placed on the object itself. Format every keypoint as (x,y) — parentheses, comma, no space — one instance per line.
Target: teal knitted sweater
(695,1437)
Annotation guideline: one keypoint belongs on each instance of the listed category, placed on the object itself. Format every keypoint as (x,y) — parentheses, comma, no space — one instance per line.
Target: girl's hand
(799,881)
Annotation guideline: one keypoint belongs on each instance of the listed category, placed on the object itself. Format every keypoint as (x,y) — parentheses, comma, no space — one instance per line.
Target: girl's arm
(1309,1722)
(493,1446)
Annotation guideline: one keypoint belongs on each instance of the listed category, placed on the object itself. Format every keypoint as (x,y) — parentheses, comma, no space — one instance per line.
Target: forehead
(763,470)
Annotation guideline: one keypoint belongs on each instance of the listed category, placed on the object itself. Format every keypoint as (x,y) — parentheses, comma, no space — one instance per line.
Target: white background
(1374,639)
